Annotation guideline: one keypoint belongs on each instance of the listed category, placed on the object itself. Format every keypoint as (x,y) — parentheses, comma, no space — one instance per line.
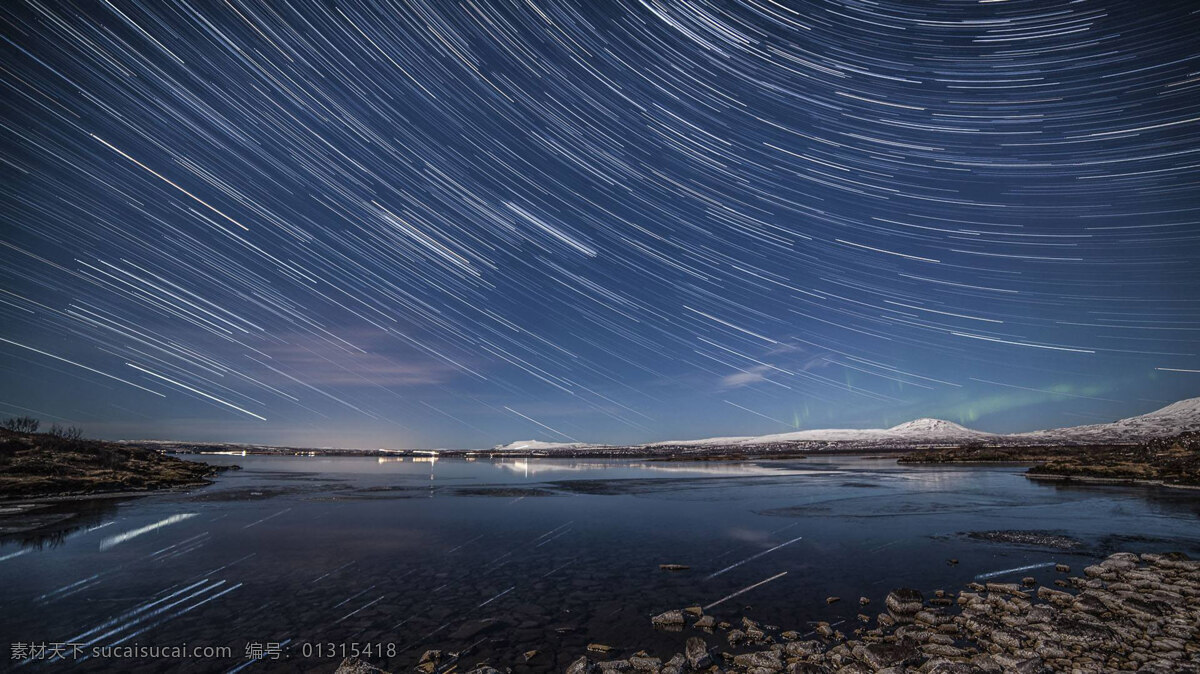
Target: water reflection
(51,524)
(534,467)
(546,554)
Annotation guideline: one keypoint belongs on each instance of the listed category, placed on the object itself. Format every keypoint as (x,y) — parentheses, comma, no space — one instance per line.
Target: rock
(705,622)
(483,669)
(429,661)
(931,617)
(1078,631)
(1056,597)
(668,619)
(582,665)
(807,668)
(642,663)
(529,655)
(768,660)
(986,664)
(614,666)
(904,602)
(831,600)
(1062,568)
(694,610)
(863,601)
(1121,561)
(599,648)
(353,665)
(1016,665)
(803,649)
(1006,588)
(943,650)
(695,651)
(882,655)
(944,666)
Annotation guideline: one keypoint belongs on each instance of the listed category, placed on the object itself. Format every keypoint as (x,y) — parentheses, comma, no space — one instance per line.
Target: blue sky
(459,225)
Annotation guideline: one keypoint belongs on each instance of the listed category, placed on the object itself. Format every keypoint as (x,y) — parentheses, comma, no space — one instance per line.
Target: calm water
(510,556)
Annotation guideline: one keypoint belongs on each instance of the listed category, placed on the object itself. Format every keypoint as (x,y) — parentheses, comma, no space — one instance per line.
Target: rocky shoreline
(1170,462)
(1129,613)
(44,467)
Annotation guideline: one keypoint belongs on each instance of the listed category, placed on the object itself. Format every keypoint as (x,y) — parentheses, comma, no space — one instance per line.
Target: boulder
(668,619)
(904,602)
(882,655)
(643,663)
(768,660)
(581,666)
(695,651)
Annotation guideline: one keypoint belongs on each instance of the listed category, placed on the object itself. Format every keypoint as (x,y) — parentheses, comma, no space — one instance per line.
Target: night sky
(458,224)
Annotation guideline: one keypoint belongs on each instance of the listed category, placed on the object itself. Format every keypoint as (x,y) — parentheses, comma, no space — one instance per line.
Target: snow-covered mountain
(539,445)
(939,428)
(1170,420)
(918,431)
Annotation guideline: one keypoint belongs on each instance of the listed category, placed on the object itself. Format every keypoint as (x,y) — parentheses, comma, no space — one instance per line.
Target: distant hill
(1176,418)
(1179,417)
(539,445)
(916,432)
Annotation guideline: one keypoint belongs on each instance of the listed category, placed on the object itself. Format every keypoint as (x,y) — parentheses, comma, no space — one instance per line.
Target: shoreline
(1119,481)
(1128,612)
(55,467)
(71,497)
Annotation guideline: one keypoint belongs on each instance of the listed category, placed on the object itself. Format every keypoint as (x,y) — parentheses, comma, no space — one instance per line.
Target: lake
(301,560)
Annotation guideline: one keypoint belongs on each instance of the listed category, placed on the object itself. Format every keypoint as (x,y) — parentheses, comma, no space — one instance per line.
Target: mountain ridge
(1178,417)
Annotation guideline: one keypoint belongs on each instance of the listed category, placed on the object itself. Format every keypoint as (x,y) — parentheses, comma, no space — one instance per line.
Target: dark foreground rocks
(1129,613)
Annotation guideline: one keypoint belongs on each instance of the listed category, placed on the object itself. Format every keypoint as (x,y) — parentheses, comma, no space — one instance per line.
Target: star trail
(429,224)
